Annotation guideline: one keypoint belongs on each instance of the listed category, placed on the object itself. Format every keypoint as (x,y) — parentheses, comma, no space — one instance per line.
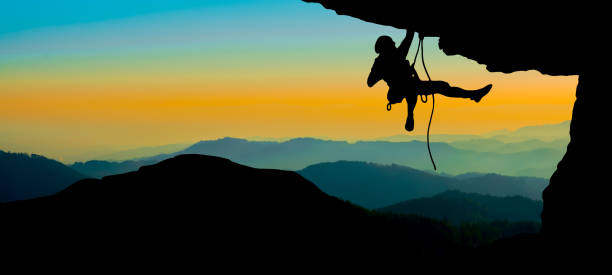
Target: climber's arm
(405,45)
(375,75)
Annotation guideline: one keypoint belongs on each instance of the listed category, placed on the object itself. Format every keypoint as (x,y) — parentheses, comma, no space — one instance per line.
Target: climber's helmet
(384,44)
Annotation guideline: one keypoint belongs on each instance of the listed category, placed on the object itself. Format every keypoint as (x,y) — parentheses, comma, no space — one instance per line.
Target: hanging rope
(433,100)
(419,46)
(417,53)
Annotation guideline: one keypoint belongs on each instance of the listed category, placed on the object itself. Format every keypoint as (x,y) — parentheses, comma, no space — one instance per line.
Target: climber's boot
(477,95)
(409,123)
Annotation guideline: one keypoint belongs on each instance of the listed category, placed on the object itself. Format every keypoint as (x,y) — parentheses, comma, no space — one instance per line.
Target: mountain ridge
(299,153)
(374,185)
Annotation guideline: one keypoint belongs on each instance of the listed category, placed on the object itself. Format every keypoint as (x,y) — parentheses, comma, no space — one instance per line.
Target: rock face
(575,202)
(553,39)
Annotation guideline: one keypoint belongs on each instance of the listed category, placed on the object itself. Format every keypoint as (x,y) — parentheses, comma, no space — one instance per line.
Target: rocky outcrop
(560,39)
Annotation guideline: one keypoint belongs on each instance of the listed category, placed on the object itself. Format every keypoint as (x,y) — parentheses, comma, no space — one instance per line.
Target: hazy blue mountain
(548,136)
(24,176)
(497,146)
(547,132)
(459,207)
(101,168)
(374,185)
(447,138)
(498,185)
(298,153)
(469,175)
(142,152)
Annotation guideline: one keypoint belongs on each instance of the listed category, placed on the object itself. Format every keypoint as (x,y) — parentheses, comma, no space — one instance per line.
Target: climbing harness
(420,48)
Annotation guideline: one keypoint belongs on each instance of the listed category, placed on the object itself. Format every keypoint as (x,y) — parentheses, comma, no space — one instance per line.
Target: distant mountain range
(513,153)
(299,153)
(545,133)
(366,184)
(142,152)
(497,146)
(458,207)
(101,168)
(375,186)
(24,176)
(27,176)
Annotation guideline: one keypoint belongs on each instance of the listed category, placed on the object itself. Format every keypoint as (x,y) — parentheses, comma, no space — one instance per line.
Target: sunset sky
(82,76)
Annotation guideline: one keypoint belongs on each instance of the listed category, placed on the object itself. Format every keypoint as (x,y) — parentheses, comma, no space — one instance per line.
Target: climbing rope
(419,46)
(433,103)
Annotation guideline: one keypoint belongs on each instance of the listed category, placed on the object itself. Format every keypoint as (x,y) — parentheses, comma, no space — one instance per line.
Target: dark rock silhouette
(553,39)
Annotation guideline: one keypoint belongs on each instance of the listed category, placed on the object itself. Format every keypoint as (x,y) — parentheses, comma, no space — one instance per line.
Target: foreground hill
(24,176)
(373,185)
(217,205)
(458,207)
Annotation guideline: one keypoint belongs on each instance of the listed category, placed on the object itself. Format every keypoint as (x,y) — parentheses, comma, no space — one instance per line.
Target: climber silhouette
(403,81)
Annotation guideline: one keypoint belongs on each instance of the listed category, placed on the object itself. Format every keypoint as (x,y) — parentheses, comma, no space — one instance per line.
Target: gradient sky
(84,76)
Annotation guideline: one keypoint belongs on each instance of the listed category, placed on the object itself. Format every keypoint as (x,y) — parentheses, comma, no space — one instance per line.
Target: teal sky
(109,75)
(156,23)
(27,14)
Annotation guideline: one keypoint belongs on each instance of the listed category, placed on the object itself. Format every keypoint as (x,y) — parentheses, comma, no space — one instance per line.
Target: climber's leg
(443,88)
(411,101)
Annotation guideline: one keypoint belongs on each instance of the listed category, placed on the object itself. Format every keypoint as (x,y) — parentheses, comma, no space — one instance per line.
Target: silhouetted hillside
(458,207)
(296,154)
(219,206)
(24,176)
(374,186)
